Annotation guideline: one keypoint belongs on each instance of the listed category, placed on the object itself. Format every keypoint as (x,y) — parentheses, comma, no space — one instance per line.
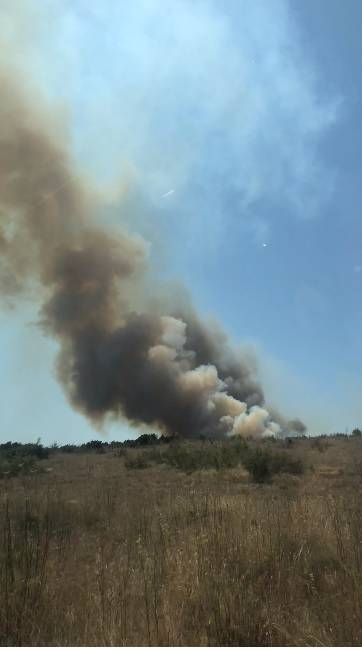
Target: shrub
(193,456)
(20,459)
(257,463)
(262,465)
(94,445)
(36,450)
(146,439)
(10,467)
(227,454)
(285,463)
(68,449)
(356,432)
(19,450)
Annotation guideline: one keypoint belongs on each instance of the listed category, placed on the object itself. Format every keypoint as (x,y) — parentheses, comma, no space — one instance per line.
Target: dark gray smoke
(166,370)
(296,426)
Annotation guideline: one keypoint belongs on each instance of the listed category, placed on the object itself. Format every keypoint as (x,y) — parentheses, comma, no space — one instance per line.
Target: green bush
(68,449)
(146,439)
(193,456)
(285,463)
(262,465)
(227,454)
(94,445)
(257,463)
(14,465)
(12,449)
(17,458)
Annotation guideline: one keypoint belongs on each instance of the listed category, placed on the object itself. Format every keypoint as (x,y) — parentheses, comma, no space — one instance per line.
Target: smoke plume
(168,370)
(296,426)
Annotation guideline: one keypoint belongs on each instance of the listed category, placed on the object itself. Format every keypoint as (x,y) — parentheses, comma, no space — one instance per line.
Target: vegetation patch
(262,464)
(17,458)
(188,457)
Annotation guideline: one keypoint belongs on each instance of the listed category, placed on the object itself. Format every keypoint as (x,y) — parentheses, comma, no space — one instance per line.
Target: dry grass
(93,553)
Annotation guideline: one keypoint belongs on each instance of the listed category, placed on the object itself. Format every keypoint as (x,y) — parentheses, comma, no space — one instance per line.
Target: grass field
(134,549)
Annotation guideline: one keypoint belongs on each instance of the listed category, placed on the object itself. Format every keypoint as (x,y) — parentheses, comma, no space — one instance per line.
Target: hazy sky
(228,134)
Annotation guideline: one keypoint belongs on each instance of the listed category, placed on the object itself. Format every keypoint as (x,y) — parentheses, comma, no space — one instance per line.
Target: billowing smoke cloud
(116,359)
(296,426)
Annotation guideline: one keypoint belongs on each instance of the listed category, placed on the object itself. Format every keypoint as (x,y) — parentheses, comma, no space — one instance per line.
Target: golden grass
(95,554)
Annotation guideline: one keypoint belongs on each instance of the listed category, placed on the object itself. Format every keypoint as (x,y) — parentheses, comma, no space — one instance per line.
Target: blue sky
(214,128)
